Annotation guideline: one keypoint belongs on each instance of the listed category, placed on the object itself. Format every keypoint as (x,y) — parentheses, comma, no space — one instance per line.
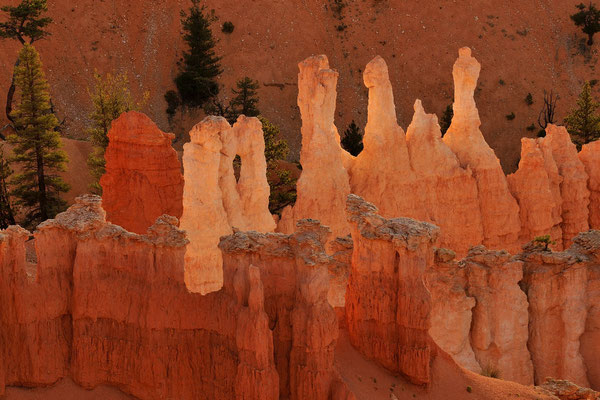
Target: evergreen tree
(37,144)
(352,141)
(27,25)
(583,123)
(7,217)
(588,19)
(446,119)
(111,97)
(196,82)
(245,100)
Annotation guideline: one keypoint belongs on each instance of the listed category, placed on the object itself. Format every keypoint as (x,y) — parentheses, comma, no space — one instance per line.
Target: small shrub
(228,27)
(529,99)
(469,389)
(544,241)
(490,371)
(501,82)
(173,103)
(593,82)
(531,128)
(511,116)
(341,27)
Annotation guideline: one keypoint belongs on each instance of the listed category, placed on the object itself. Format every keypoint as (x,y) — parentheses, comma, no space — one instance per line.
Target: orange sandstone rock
(143,175)
(573,188)
(590,157)
(387,303)
(213,201)
(531,185)
(449,191)
(499,210)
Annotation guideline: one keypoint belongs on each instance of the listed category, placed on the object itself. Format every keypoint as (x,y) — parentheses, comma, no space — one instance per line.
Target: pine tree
(588,20)
(352,141)
(446,119)
(25,24)
(196,82)
(7,216)
(37,144)
(111,97)
(583,123)
(245,100)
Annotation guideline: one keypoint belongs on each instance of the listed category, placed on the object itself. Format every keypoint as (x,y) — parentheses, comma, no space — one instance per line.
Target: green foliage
(228,27)
(531,128)
(491,372)
(25,21)
(37,144)
(446,119)
(196,81)
(588,19)
(110,97)
(529,99)
(7,217)
(544,241)
(352,141)
(583,122)
(283,185)
(245,101)
(510,116)
(501,82)
(469,389)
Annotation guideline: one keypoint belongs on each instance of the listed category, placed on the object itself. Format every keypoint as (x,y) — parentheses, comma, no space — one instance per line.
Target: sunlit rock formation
(499,210)
(573,187)
(387,303)
(213,201)
(143,177)
(324,182)
(590,157)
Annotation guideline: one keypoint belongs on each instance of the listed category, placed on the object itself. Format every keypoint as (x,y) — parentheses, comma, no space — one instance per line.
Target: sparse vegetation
(196,82)
(547,114)
(501,82)
(529,99)
(227,27)
(588,19)
(531,128)
(510,116)
(7,215)
(173,103)
(544,242)
(352,141)
(26,24)
(446,119)
(491,372)
(38,186)
(583,122)
(469,389)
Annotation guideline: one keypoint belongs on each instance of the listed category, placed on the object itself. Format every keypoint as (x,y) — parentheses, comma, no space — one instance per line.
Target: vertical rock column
(324,182)
(387,303)
(449,191)
(382,172)
(590,157)
(532,187)
(143,175)
(499,210)
(204,217)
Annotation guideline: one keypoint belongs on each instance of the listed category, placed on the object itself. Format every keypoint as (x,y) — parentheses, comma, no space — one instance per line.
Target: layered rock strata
(143,177)
(213,201)
(387,303)
(590,157)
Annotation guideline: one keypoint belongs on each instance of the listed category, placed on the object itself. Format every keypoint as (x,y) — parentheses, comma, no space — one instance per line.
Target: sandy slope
(529,46)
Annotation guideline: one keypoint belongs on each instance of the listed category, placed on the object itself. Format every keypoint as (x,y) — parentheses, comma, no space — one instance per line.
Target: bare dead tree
(547,114)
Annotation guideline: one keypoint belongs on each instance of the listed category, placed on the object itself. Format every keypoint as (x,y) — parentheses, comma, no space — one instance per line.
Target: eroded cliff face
(143,177)
(387,303)
(590,157)
(213,201)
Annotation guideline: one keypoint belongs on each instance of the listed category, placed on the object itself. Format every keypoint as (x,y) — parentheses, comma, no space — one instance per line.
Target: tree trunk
(11,94)
(41,182)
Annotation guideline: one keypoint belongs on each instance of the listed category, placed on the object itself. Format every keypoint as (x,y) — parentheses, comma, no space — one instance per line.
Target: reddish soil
(523,47)
(65,390)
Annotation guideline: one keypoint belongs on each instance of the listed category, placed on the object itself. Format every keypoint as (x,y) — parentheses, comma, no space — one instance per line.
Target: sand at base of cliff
(66,389)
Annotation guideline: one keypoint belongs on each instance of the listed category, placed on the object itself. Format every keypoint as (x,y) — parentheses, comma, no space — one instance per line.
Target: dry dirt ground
(524,47)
